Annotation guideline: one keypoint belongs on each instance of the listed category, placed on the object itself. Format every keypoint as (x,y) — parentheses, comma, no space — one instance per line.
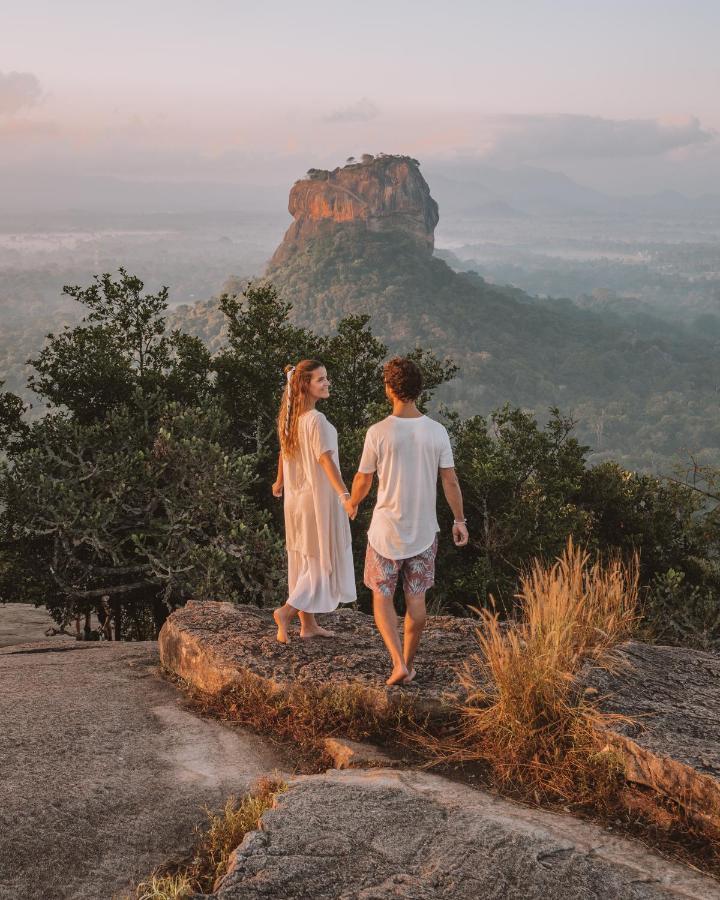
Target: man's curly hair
(403,377)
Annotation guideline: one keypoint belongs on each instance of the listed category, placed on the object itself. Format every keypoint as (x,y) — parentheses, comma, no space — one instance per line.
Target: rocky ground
(672,694)
(386,834)
(22,623)
(104,773)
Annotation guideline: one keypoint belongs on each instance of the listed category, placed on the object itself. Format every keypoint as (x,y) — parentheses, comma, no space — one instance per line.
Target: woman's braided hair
(293,403)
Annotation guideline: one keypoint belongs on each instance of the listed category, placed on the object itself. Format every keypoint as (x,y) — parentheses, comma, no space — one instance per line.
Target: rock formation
(672,693)
(378,193)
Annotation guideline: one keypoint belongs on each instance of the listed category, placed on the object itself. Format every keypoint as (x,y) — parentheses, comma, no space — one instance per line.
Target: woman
(317,504)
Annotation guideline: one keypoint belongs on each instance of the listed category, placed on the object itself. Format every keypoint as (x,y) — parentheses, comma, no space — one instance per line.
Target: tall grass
(525,711)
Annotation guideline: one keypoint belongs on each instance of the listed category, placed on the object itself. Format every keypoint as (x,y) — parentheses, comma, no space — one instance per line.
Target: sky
(621,96)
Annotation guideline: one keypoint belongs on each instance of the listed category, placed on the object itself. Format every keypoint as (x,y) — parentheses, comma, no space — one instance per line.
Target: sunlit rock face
(378,193)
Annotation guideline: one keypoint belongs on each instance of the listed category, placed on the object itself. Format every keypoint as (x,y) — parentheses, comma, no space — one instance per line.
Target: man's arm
(362,482)
(453,495)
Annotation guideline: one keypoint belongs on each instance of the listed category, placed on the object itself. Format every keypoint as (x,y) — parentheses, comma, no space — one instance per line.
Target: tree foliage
(149,477)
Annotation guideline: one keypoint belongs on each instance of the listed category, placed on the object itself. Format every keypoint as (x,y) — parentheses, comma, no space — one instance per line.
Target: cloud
(17,90)
(361,111)
(587,137)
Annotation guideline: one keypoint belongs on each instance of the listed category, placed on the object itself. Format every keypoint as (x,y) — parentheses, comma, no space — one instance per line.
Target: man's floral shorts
(381,574)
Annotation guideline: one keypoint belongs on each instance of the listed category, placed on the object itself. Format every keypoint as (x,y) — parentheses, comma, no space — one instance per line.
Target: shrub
(525,711)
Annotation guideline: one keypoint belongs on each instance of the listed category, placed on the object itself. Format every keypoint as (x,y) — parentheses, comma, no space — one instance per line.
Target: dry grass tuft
(525,713)
(224,833)
(165,887)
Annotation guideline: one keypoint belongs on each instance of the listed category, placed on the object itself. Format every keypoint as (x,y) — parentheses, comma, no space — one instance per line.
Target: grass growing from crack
(303,715)
(213,847)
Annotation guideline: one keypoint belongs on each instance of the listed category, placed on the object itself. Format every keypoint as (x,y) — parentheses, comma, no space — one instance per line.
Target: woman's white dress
(317,529)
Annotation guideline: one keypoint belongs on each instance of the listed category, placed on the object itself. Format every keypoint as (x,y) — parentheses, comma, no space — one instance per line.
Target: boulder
(347,754)
(383,834)
(212,644)
(672,694)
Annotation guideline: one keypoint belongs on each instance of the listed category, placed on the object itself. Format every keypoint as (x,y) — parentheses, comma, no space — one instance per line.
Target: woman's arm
(336,480)
(277,487)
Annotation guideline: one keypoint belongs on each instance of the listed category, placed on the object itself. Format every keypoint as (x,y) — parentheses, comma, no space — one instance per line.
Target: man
(406,449)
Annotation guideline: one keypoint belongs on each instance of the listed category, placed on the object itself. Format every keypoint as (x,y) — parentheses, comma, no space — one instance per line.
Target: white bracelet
(459,521)
(344,494)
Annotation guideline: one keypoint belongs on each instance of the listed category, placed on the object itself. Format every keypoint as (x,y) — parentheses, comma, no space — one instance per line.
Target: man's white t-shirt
(406,453)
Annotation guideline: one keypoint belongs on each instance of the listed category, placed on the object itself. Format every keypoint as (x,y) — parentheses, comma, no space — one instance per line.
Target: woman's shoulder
(317,416)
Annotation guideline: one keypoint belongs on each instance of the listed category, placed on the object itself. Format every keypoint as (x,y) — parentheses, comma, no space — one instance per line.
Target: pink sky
(619,95)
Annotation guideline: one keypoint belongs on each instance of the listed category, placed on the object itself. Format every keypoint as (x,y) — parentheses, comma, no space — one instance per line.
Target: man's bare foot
(398,675)
(317,631)
(281,622)
(410,677)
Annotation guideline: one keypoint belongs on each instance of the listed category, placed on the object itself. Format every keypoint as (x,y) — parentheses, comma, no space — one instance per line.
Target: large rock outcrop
(388,834)
(378,193)
(672,693)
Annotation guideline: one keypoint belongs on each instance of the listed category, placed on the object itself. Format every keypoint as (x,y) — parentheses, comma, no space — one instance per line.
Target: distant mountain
(463,187)
(510,346)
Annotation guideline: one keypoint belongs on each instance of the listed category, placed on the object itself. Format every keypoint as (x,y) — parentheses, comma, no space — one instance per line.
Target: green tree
(250,376)
(12,426)
(519,485)
(145,506)
(120,345)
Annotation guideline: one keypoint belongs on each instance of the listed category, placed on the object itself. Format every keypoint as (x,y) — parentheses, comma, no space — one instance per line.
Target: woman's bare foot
(281,620)
(410,677)
(398,675)
(315,631)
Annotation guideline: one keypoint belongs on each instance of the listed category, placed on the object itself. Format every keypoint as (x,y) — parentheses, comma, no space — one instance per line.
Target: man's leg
(415,615)
(418,577)
(381,576)
(387,622)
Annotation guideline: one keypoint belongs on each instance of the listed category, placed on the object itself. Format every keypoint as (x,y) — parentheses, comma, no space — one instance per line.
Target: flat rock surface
(673,694)
(23,622)
(388,834)
(244,637)
(103,773)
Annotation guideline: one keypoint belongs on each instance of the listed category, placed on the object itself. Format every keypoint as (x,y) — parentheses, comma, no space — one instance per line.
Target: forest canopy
(148,479)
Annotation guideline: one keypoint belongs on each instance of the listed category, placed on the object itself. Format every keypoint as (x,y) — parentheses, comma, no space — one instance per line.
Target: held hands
(460,534)
(350,508)
(277,489)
